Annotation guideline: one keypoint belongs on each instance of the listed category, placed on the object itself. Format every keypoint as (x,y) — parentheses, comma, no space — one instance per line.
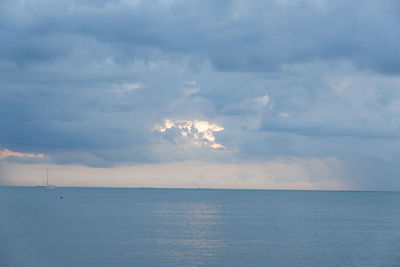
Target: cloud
(201,132)
(234,36)
(343,104)
(248,106)
(126,87)
(86,81)
(5,153)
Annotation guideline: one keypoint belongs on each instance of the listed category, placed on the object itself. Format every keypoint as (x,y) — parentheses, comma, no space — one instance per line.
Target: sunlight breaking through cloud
(202,132)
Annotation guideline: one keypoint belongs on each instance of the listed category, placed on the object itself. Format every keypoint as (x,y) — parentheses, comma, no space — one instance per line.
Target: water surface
(183,227)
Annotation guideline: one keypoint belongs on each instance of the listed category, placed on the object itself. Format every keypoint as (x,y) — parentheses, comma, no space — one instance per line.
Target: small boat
(49,186)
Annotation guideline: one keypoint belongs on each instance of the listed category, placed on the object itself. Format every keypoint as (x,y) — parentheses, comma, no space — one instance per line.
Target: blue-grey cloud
(233,35)
(86,81)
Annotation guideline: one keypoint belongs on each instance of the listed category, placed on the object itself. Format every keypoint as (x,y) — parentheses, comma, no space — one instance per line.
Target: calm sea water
(177,227)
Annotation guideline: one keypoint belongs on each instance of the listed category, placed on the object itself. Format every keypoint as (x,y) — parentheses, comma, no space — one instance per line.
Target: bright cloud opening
(202,132)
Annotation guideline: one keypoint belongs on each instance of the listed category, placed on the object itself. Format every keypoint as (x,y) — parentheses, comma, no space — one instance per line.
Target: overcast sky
(300,94)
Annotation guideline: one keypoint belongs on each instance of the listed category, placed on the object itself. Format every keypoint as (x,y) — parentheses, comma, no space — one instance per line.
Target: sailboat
(49,186)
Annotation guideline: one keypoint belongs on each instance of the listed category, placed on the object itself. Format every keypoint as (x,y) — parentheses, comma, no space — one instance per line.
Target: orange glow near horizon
(5,153)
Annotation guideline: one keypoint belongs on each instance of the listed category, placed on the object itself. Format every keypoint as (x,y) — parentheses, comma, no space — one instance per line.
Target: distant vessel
(49,186)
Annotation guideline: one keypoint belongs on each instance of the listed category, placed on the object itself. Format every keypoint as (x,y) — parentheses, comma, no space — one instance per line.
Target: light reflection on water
(189,232)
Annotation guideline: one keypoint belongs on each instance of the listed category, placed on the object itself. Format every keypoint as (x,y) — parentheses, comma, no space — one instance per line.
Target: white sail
(49,186)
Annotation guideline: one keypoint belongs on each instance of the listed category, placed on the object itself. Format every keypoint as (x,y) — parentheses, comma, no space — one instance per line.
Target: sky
(279,94)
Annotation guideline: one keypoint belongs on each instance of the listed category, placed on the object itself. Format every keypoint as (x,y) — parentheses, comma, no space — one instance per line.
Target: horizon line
(205,188)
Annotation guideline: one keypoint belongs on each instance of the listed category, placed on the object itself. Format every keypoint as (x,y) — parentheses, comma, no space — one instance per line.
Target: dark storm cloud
(233,35)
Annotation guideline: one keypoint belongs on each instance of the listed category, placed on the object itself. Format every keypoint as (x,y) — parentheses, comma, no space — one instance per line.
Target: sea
(197,227)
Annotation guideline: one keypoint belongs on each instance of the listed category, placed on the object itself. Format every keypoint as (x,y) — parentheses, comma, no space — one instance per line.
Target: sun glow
(202,132)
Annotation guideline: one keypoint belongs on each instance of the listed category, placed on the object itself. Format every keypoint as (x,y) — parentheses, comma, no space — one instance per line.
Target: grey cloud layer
(86,81)
(233,35)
